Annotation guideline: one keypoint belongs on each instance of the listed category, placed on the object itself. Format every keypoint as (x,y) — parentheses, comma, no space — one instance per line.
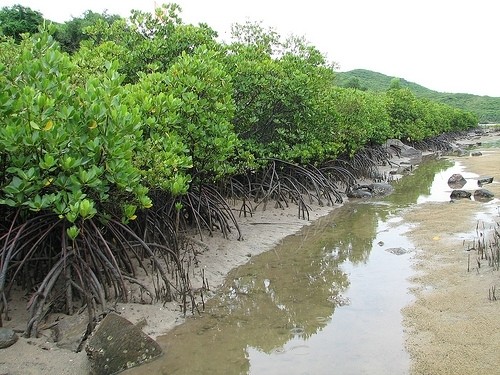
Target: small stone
(459,194)
(7,337)
(359,193)
(403,169)
(484,180)
(456,180)
(477,153)
(398,250)
(483,195)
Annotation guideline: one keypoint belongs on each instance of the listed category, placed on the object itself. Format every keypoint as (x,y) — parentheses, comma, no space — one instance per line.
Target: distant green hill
(486,107)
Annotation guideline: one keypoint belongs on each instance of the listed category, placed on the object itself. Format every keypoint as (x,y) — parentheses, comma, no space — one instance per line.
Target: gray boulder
(368,191)
(396,147)
(404,169)
(484,180)
(483,195)
(458,151)
(7,337)
(117,345)
(477,153)
(381,188)
(457,181)
(69,331)
(359,193)
(460,194)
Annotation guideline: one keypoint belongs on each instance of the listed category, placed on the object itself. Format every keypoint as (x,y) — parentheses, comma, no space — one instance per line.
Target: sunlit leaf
(48,126)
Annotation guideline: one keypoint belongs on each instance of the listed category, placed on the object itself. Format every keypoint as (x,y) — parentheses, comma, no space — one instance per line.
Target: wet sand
(453,327)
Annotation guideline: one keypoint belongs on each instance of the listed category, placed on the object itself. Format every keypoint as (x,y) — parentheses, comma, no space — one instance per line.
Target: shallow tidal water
(325,301)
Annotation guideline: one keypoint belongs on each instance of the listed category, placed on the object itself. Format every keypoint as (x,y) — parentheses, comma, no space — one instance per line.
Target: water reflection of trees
(284,293)
(408,189)
(354,231)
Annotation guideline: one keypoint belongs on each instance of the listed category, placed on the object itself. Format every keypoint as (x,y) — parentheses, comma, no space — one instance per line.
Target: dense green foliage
(115,134)
(71,33)
(18,20)
(486,108)
(67,149)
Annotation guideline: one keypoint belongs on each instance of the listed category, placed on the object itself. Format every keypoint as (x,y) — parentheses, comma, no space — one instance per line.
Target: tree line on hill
(487,108)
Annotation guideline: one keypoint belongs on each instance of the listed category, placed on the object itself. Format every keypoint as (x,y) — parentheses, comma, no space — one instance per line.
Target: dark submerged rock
(457,181)
(458,151)
(484,180)
(359,193)
(7,337)
(483,195)
(404,169)
(381,188)
(460,194)
(477,153)
(117,345)
(398,250)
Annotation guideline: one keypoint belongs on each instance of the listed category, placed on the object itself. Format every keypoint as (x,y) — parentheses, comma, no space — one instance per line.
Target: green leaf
(48,162)
(73,232)
(86,209)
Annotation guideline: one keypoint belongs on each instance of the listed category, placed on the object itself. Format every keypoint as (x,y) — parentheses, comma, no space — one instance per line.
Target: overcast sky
(445,45)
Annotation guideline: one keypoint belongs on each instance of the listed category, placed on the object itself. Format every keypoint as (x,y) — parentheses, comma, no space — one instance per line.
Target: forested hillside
(487,108)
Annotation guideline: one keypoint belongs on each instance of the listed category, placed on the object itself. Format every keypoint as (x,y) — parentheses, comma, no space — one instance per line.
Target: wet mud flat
(453,326)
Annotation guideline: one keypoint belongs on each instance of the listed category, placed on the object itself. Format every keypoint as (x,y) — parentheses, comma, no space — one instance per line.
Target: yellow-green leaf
(49,125)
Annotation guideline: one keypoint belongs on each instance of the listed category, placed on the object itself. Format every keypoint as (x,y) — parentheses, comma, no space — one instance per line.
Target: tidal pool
(326,300)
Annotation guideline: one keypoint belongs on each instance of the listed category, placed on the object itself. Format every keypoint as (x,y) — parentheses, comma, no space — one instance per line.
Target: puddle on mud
(326,300)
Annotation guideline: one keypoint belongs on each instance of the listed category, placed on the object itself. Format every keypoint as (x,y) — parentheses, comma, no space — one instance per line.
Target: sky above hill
(444,45)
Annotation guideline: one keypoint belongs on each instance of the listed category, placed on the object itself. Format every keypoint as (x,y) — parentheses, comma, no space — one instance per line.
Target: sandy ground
(451,325)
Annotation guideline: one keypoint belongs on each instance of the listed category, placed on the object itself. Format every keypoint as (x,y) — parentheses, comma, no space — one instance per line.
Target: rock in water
(380,188)
(457,181)
(484,180)
(7,337)
(117,345)
(359,193)
(483,195)
(459,194)
(398,250)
